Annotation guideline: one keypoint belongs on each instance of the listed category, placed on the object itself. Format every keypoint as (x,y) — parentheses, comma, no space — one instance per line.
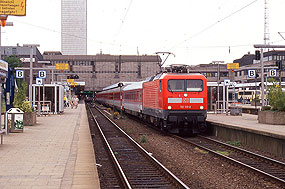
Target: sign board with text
(62,66)
(13,7)
(272,73)
(252,73)
(227,82)
(42,74)
(20,74)
(232,66)
(39,81)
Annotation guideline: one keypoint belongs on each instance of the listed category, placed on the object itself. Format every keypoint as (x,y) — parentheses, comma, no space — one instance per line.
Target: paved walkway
(55,153)
(248,122)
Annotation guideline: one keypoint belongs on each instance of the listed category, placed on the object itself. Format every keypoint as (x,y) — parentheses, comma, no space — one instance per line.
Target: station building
(94,71)
(98,71)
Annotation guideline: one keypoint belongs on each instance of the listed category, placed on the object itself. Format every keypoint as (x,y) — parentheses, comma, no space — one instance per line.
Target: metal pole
(121,99)
(39,102)
(218,91)
(55,99)
(227,100)
(1,108)
(224,98)
(262,77)
(31,74)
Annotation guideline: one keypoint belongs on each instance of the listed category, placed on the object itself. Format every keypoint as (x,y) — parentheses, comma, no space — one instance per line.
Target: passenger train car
(171,101)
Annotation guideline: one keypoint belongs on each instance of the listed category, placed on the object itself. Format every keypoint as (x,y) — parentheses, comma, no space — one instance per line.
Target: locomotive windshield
(178,85)
(175,85)
(194,85)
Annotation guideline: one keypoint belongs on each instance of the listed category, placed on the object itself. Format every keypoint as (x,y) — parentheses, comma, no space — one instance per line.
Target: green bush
(20,94)
(276,98)
(26,106)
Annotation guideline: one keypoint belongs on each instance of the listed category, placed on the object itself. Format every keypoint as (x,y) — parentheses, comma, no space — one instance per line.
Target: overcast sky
(196,31)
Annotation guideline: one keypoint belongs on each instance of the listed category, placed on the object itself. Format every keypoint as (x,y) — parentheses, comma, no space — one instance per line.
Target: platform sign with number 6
(272,73)
(42,74)
(19,74)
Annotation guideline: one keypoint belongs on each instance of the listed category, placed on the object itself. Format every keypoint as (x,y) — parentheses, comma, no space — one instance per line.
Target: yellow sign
(232,66)
(62,66)
(70,80)
(13,7)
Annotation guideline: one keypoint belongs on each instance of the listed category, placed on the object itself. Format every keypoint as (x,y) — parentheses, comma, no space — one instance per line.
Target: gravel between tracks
(194,167)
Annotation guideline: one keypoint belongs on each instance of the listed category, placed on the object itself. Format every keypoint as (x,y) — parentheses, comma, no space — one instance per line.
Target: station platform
(57,152)
(248,122)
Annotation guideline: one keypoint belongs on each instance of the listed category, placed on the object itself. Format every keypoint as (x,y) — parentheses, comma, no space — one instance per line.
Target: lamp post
(7,24)
(31,68)
(264,46)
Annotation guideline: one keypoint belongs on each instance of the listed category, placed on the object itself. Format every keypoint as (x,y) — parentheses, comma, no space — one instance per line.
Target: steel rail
(282,181)
(245,151)
(112,154)
(179,183)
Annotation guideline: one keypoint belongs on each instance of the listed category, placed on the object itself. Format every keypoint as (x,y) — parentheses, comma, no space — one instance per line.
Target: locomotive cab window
(176,85)
(194,85)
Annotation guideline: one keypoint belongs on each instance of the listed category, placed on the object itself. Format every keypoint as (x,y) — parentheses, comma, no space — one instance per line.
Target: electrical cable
(212,25)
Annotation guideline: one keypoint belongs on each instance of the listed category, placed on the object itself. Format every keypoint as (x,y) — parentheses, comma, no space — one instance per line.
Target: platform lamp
(31,68)
(3,22)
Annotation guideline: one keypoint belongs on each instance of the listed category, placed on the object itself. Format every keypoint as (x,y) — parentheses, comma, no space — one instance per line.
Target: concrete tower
(74,27)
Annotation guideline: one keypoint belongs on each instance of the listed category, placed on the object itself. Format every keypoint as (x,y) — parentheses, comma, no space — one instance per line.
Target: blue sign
(42,74)
(20,74)
(252,73)
(272,73)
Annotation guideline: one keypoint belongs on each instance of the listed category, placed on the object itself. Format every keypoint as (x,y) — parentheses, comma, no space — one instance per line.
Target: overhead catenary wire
(123,21)
(212,25)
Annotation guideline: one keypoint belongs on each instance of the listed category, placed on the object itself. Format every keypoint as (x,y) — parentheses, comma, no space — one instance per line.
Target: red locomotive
(171,101)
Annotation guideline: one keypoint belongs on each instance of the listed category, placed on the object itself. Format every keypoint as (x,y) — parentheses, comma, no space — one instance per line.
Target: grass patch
(234,143)
(143,139)
(116,115)
(225,153)
(200,150)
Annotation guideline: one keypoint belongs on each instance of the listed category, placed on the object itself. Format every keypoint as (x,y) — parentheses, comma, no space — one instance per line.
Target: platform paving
(57,152)
(248,122)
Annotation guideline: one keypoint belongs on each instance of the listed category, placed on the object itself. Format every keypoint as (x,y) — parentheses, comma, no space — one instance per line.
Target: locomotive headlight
(201,107)
(169,107)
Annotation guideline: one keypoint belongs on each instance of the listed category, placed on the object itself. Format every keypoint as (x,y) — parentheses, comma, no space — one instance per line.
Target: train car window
(248,93)
(194,85)
(176,85)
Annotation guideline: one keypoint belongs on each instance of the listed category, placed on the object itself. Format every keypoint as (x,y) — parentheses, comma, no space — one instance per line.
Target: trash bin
(236,111)
(15,120)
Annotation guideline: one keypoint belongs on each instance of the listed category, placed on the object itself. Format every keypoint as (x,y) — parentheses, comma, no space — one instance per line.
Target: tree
(276,97)
(20,94)
(13,61)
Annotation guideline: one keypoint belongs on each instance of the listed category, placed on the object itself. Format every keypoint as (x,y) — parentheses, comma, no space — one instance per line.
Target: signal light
(3,23)
(257,55)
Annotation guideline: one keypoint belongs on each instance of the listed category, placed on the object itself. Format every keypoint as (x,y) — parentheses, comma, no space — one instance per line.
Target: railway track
(135,166)
(265,166)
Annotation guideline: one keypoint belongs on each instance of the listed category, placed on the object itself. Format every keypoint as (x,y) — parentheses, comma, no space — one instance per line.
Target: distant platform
(246,129)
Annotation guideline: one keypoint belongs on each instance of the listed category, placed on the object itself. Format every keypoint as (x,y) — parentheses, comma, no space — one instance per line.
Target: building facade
(98,71)
(74,27)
